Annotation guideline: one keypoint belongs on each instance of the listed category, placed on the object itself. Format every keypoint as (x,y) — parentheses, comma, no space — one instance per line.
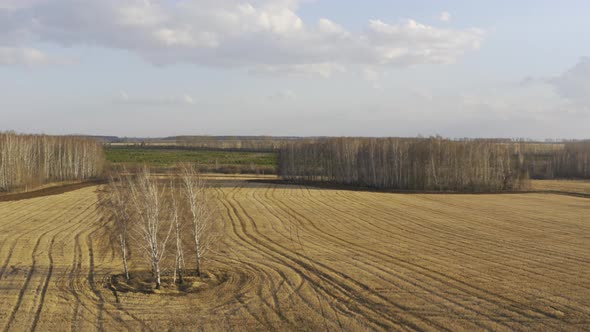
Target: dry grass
(299,258)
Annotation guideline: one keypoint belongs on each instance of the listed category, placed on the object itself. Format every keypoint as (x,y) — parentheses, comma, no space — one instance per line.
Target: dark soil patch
(337,186)
(142,282)
(56,190)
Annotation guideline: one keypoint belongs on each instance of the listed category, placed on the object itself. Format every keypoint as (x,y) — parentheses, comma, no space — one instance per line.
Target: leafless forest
(569,160)
(27,161)
(433,164)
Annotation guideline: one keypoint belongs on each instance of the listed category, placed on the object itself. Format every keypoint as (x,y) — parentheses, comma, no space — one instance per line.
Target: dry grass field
(300,258)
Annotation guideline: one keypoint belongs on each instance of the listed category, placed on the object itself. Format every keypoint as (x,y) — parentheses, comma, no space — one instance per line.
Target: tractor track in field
(387,274)
(446,280)
(426,243)
(295,257)
(335,279)
(33,268)
(466,287)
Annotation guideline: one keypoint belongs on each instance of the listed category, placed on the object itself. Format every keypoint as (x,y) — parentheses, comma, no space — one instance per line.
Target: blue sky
(290,67)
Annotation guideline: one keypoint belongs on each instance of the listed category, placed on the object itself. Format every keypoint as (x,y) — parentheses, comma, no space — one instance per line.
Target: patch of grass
(212,159)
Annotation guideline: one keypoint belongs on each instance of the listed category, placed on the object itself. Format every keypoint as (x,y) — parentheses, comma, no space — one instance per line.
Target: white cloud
(330,28)
(444,16)
(324,70)
(123,95)
(283,95)
(22,56)
(261,36)
(185,38)
(126,98)
(370,74)
(413,43)
(142,13)
(29,56)
(16,4)
(188,99)
(573,84)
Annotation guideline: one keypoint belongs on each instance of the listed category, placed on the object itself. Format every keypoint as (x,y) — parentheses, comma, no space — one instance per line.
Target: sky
(517,69)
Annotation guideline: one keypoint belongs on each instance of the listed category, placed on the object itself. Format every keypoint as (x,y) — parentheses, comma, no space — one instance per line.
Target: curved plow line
(437,276)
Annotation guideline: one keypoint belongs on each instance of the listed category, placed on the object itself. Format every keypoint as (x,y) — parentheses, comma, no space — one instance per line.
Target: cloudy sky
(296,67)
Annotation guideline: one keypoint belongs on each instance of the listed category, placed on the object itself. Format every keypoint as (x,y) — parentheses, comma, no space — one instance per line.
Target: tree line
(428,164)
(27,161)
(237,143)
(569,160)
(159,219)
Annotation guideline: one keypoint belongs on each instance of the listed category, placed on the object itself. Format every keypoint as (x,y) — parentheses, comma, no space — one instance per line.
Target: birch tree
(148,202)
(178,231)
(119,209)
(194,191)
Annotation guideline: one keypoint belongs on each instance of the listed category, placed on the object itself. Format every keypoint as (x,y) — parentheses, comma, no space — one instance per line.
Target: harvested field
(301,258)
(571,186)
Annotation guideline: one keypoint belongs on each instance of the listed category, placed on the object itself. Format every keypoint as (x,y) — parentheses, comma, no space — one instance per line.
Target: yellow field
(573,186)
(299,258)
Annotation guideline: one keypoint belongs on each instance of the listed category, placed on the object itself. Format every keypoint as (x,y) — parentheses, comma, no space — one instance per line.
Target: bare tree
(149,213)
(178,230)
(117,205)
(194,191)
(148,202)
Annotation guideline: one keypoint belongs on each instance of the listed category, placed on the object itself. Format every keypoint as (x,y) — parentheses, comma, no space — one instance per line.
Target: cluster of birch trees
(157,219)
(433,164)
(27,161)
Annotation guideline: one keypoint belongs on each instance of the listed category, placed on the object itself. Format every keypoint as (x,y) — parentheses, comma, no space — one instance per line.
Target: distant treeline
(27,161)
(425,164)
(237,143)
(570,160)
